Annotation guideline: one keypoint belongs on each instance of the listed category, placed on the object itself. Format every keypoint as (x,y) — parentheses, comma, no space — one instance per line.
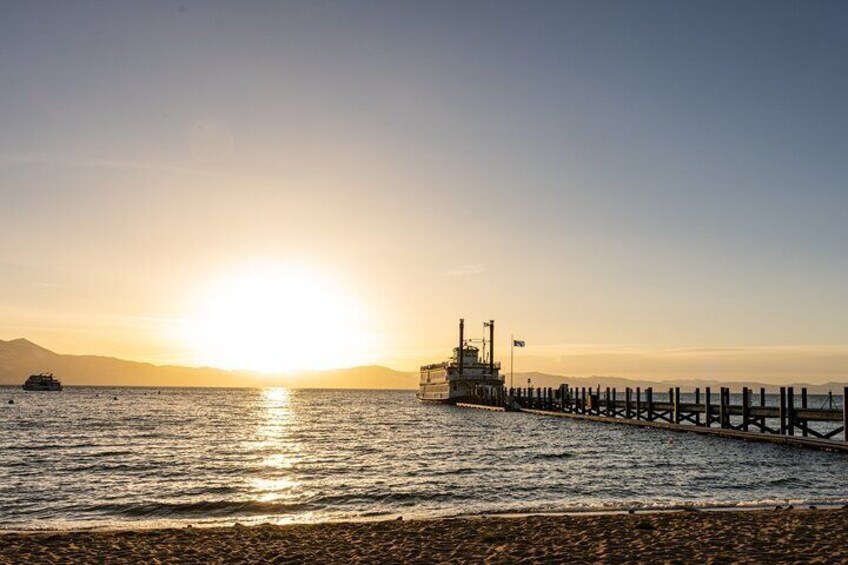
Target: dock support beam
(804,407)
(708,417)
(649,401)
(676,405)
(698,403)
(746,408)
(782,412)
(845,412)
(790,410)
(638,403)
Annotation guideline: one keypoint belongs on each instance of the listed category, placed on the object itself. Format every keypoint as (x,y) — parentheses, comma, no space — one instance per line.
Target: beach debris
(399,518)
(631,511)
(813,506)
(11,401)
(114,398)
(645,525)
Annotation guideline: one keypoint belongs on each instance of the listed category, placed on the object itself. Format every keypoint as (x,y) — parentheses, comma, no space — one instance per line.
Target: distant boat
(44,381)
(465,375)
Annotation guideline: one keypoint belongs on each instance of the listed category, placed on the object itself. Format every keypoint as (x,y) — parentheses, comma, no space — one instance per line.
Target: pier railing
(786,414)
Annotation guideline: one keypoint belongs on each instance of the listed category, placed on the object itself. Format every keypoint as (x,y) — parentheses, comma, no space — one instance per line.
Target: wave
(225,508)
(206,508)
(545,456)
(51,446)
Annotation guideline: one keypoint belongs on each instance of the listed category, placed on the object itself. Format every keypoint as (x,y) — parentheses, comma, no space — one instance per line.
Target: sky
(633,188)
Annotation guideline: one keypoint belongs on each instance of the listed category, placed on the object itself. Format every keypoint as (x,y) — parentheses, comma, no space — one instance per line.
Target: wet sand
(768,536)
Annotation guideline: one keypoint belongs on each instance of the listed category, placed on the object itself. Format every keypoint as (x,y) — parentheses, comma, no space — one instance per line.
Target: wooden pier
(790,420)
(489,407)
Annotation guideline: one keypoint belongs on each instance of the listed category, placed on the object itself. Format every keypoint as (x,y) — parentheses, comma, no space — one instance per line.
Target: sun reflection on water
(274,437)
(273,489)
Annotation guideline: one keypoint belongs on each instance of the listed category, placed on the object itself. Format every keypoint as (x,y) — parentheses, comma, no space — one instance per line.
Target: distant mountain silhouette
(20,358)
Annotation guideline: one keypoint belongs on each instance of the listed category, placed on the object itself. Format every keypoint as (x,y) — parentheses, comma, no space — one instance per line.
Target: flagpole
(511,356)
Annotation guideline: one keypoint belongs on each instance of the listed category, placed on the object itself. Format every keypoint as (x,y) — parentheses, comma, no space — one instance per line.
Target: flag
(518,342)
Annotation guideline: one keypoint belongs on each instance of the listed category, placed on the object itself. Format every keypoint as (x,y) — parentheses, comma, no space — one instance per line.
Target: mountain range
(20,358)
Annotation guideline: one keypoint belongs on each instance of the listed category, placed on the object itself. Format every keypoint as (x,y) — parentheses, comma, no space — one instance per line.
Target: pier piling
(638,403)
(649,403)
(698,403)
(676,409)
(804,423)
(708,417)
(790,410)
(845,413)
(782,412)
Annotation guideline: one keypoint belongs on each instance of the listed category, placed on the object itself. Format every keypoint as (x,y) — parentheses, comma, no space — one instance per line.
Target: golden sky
(301,187)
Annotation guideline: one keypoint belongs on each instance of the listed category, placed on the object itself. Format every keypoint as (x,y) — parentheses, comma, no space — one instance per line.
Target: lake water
(82,458)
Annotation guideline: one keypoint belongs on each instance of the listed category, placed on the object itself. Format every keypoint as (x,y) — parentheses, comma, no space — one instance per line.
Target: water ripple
(218,456)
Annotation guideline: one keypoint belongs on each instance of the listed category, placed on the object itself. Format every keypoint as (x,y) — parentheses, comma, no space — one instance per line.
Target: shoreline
(622,510)
(750,536)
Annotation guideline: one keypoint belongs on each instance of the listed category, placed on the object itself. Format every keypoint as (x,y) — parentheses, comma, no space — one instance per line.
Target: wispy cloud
(465,270)
(664,350)
(16,159)
(10,159)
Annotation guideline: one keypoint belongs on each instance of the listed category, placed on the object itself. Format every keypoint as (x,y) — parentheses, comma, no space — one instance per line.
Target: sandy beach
(763,536)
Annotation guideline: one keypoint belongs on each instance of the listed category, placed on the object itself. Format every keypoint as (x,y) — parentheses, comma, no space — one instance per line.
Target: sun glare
(276,319)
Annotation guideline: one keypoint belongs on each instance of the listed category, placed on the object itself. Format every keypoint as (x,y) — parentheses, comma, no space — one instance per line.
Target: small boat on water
(466,375)
(43,381)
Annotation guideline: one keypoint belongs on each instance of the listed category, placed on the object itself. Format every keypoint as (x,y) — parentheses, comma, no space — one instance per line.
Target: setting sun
(276,318)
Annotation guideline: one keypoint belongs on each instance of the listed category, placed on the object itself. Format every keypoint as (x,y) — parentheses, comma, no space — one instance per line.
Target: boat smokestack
(460,354)
(491,347)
